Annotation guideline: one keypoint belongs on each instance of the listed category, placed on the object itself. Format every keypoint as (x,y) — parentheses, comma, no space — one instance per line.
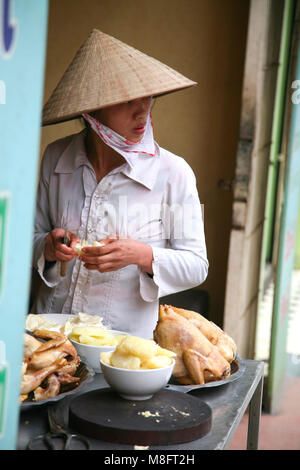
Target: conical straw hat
(105,72)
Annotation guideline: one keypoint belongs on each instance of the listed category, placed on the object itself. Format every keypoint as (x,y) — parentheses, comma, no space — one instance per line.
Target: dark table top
(228,403)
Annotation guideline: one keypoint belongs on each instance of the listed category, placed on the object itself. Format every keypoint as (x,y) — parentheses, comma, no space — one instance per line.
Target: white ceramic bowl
(90,354)
(137,384)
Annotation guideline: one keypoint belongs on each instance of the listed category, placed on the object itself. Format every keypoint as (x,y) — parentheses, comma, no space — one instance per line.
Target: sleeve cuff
(51,275)
(149,284)
(173,271)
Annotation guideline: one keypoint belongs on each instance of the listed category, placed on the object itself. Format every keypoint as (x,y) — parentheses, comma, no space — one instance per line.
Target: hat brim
(106,72)
(74,116)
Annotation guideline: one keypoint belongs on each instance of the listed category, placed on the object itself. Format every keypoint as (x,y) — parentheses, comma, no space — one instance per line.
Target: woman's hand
(116,254)
(55,250)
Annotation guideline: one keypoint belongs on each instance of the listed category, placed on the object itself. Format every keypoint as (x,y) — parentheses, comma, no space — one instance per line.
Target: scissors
(57,438)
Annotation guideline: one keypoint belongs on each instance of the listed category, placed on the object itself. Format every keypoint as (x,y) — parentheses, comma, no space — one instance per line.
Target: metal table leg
(254,417)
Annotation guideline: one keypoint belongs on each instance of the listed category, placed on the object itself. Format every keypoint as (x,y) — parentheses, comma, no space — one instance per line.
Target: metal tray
(86,375)
(238,367)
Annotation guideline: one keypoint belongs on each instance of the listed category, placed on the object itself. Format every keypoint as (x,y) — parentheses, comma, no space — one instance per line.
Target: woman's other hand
(55,250)
(116,254)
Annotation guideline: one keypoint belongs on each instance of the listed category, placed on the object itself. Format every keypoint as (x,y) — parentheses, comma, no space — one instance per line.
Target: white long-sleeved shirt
(150,199)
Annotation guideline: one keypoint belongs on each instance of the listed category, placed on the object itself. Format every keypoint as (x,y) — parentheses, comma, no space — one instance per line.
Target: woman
(113,183)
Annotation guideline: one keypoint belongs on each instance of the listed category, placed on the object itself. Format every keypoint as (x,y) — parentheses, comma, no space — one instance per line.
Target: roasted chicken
(204,352)
(47,365)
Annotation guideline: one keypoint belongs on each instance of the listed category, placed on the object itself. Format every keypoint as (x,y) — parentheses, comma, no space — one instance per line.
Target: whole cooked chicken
(47,365)
(204,352)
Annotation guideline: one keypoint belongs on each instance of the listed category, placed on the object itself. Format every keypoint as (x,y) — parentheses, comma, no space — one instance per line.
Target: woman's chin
(135,139)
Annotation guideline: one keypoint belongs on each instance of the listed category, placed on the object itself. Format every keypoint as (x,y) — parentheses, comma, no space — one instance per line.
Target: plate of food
(63,323)
(206,356)
(237,369)
(51,368)
(87,333)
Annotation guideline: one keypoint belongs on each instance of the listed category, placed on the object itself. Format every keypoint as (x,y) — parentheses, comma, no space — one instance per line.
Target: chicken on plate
(47,365)
(204,352)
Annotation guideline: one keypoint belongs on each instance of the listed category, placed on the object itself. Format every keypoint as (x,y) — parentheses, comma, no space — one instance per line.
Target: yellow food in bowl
(94,336)
(135,353)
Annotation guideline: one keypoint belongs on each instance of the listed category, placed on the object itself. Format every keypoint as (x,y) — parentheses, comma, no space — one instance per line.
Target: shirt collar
(141,168)
(74,155)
